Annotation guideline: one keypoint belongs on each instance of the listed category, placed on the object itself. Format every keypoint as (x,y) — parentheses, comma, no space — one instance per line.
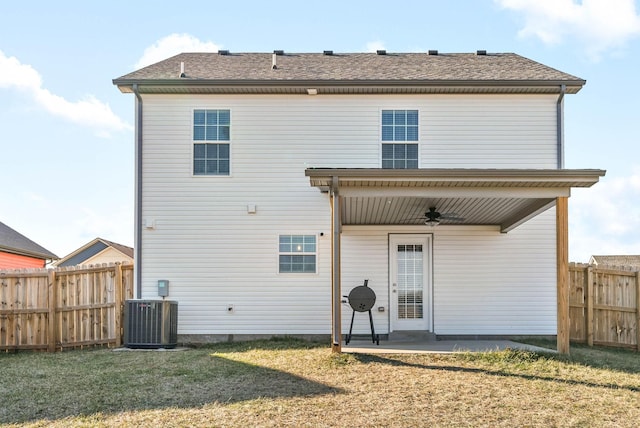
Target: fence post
(589,306)
(119,286)
(638,310)
(53,301)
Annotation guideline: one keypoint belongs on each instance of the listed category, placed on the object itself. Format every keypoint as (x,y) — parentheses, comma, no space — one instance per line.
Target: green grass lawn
(296,383)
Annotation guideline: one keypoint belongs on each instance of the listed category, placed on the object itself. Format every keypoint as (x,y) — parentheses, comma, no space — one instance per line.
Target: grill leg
(374,337)
(348,339)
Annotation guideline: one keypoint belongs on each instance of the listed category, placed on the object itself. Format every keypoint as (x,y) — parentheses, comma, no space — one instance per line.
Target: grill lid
(362,298)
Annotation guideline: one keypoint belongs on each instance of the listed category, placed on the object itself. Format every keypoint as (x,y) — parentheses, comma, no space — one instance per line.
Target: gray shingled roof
(128,251)
(16,243)
(212,69)
(617,260)
(89,250)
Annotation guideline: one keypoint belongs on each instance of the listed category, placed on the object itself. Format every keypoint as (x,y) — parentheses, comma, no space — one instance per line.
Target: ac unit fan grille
(151,324)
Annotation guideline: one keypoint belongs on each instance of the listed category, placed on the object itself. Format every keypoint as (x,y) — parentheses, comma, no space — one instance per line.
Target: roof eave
(34,254)
(79,250)
(160,85)
(322,177)
(452,172)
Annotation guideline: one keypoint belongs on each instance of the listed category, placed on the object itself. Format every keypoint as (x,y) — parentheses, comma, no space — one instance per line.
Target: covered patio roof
(502,197)
(505,198)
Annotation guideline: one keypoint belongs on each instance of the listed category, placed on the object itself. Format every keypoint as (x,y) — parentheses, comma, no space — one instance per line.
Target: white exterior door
(410,282)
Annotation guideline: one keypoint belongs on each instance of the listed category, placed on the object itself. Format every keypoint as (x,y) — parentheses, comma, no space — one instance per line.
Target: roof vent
(381,52)
(274,61)
(433,52)
(182,70)
(328,53)
(278,52)
(482,52)
(223,52)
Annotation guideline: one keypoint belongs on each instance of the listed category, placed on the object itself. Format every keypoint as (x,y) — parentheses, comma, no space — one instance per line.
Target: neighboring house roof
(16,243)
(627,260)
(90,249)
(504,72)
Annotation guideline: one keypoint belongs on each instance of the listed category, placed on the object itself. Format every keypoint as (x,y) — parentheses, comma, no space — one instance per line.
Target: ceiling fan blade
(451,218)
(432,215)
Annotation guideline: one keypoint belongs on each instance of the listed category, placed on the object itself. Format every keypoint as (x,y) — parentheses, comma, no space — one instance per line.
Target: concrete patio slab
(436,346)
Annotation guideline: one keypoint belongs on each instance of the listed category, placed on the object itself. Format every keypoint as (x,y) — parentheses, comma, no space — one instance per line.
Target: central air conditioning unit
(150,324)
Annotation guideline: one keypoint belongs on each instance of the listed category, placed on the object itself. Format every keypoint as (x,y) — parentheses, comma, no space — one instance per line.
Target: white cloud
(598,24)
(172,45)
(604,219)
(115,225)
(88,112)
(375,46)
(15,74)
(68,225)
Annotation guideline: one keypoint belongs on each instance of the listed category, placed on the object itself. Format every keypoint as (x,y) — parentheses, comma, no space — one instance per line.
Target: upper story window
(399,126)
(211,158)
(211,125)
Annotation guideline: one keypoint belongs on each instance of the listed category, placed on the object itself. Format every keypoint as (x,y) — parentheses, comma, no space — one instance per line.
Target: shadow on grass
(598,357)
(518,357)
(272,344)
(242,381)
(80,384)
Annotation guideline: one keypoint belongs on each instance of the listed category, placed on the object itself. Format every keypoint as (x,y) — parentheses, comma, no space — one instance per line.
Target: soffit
(505,198)
(355,88)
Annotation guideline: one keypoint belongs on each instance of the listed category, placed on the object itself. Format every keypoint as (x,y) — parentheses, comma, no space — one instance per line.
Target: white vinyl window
(398,127)
(211,158)
(297,254)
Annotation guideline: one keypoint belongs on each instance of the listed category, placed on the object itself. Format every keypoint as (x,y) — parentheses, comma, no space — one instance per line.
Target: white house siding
(490,132)
(484,282)
(215,254)
(491,283)
(365,255)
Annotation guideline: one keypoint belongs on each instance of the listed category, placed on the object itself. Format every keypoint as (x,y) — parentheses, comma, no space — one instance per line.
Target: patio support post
(336,299)
(562,254)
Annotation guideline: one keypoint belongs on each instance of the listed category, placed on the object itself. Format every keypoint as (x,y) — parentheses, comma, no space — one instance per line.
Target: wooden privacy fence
(60,308)
(604,305)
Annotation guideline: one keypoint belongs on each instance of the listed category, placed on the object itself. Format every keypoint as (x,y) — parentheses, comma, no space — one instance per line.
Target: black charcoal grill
(362,299)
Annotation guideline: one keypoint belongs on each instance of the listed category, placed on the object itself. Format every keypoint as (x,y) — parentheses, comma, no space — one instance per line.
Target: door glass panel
(410,281)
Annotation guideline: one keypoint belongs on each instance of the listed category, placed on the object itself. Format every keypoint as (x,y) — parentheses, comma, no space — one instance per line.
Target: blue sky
(66,133)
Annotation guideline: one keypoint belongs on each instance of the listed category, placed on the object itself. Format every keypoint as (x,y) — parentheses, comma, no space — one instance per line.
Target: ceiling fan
(433,217)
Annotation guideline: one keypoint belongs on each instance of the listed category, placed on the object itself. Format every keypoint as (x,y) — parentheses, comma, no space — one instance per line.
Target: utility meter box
(163,287)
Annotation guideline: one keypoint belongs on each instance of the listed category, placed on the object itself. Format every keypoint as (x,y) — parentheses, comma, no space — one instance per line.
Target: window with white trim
(211,158)
(297,254)
(399,126)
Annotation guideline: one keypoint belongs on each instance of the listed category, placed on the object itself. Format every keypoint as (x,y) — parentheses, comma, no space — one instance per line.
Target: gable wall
(108,255)
(216,255)
(16,261)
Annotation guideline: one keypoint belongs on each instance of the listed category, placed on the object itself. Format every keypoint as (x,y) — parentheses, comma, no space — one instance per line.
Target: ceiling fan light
(432,222)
